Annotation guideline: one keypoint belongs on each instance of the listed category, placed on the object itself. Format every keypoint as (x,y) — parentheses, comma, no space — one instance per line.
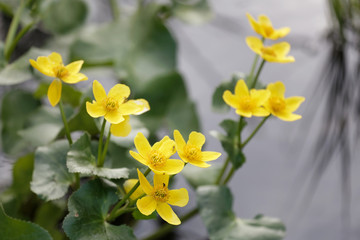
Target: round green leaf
(193,12)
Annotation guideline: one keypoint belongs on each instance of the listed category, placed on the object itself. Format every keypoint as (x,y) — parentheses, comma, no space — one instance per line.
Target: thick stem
(67,130)
(100,143)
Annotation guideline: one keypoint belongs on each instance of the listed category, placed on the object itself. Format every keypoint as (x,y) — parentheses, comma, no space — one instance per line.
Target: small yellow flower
(129,184)
(123,128)
(156,157)
(158,197)
(113,106)
(281,107)
(247,103)
(264,27)
(191,151)
(274,53)
(53,66)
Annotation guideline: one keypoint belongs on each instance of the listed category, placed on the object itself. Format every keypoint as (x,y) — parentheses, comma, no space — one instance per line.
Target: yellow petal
(98,91)
(255,44)
(253,23)
(288,117)
(146,205)
(276,89)
(161,180)
(144,183)
(260,112)
(179,141)
(264,21)
(129,184)
(157,145)
(178,197)
(95,109)
(74,78)
(74,67)
(55,58)
(167,148)
(200,164)
(120,92)
(138,157)
(114,117)
(142,145)
(143,104)
(241,88)
(280,33)
(166,213)
(196,139)
(210,156)
(43,65)
(244,113)
(54,92)
(259,97)
(122,129)
(281,49)
(293,103)
(231,99)
(173,166)
(129,107)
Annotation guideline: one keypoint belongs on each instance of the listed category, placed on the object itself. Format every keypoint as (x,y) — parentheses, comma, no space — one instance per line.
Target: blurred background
(303,172)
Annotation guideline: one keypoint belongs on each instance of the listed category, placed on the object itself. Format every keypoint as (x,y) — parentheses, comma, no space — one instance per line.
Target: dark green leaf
(193,12)
(201,176)
(63,16)
(51,178)
(215,204)
(87,214)
(81,160)
(12,229)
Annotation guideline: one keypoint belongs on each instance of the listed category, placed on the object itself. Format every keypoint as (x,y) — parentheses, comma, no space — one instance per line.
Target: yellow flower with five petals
(264,27)
(247,103)
(190,152)
(159,198)
(53,66)
(274,53)
(280,106)
(113,106)
(156,157)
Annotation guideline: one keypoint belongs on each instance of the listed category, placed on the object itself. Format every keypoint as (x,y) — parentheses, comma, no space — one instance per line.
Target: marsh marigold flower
(53,66)
(247,103)
(156,157)
(274,53)
(113,106)
(280,106)
(264,27)
(129,184)
(190,152)
(158,197)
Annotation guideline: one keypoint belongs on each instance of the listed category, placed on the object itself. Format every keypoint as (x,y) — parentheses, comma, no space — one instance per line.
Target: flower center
(246,103)
(110,104)
(192,153)
(277,104)
(157,159)
(268,30)
(161,193)
(268,51)
(60,71)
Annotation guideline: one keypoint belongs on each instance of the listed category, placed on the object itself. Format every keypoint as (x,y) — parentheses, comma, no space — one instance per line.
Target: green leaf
(201,176)
(81,160)
(215,204)
(19,71)
(193,12)
(64,16)
(12,229)
(87,214)
(51,178)
(16,107)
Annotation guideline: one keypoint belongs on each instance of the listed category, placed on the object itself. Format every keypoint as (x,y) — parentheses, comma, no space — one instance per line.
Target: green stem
(253,67)
(105,149)
(67,130)
(239,131)
(254,132)
(167,227)
(257,74)
(100,143)
(115,9)
(12,30)
(222,171)
(113,214)
(228,177)
(18,37)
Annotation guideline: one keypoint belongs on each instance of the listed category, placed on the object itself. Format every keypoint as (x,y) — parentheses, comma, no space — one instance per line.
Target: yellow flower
(281,107)
(274,53)
(156,157)
(53,66)
(247,103)
(129,184)
(114,105)
(191,151)
(264,27)
(158,197)
(123,128)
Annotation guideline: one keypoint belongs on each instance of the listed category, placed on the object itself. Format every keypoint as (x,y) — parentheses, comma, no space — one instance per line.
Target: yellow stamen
(192,153)
(60,71)
(268,51)
(245,103)
(277,104)
(161,193)
(157,159)
(110,104)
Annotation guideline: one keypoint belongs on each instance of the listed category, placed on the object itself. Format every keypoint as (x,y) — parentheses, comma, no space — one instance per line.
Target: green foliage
(193,12)
(81,160)
(87,214)
(11,229)
(51,178)
(201,176)
(215,204)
